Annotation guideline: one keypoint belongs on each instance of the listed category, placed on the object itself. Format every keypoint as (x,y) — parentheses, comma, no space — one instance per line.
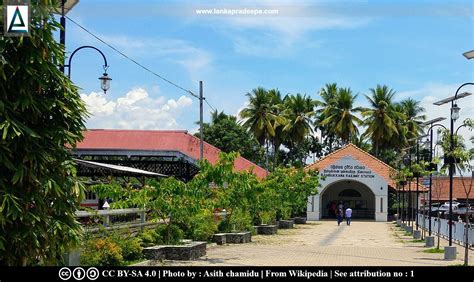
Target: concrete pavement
(323,243)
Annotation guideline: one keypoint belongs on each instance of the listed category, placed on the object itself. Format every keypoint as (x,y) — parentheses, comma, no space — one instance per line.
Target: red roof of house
(376,165)
(440,188)
(160,140)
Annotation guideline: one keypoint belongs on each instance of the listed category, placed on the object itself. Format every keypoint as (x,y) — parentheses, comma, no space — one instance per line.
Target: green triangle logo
(20,18)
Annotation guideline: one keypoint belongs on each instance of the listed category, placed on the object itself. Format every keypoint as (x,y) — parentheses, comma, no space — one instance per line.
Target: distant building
(170,152)
(440,189)
(358,180)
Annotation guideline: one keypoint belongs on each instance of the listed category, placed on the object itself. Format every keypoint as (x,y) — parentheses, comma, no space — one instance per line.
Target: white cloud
(433,92)
(135,110)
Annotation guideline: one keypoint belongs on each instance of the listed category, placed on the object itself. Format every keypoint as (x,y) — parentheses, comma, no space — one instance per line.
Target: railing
(443,225)
(106,219)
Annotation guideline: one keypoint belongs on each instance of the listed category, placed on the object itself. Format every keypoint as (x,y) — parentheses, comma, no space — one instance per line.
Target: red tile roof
(376,165)
(379,167)
(440,188)
(160,140)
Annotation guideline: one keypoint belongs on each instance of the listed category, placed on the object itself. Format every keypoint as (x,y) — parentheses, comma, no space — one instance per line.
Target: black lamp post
(432,124)
(417,176)
(451,159)
(66,6)
(104,79)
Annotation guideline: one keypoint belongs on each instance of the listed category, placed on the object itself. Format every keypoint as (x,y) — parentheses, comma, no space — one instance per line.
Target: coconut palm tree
(340,115)
(278,124)
(299,111)
(328,94)
(259,117)
(414,117)
(381,117)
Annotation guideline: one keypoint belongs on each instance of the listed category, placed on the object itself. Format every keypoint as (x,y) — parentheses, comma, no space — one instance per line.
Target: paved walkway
(326,244)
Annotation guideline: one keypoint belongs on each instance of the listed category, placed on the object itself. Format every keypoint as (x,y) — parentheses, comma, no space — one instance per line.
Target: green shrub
(202,226)
(267,217)
(171,233)
(101,252)
(131,248)
(238,221)
(150,238)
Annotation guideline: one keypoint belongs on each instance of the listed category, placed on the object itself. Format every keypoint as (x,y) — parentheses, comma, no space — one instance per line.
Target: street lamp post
(104,79)
(66,6)
(454,116)
(432,124)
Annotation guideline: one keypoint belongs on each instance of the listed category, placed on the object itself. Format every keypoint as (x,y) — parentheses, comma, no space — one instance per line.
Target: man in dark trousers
(348,215)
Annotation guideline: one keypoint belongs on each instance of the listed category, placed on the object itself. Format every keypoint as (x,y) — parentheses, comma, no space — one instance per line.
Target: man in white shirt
(348,215)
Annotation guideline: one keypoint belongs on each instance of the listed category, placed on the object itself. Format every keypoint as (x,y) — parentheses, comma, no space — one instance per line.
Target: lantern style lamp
(105,82)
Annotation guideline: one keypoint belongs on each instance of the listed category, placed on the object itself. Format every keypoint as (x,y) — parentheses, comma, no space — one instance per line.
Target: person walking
(348,215)
(339,216)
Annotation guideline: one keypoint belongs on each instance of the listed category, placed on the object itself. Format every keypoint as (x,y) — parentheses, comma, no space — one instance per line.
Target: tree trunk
(466,236)
(275,156)
(266,155)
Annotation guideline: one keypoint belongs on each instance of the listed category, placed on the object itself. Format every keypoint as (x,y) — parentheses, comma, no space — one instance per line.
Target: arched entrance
(353,194)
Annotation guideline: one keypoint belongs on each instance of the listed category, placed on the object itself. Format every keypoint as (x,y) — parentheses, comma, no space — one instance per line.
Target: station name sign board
(348,171)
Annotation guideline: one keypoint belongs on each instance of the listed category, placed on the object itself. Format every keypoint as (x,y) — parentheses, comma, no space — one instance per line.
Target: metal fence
(106,215)
(442,224)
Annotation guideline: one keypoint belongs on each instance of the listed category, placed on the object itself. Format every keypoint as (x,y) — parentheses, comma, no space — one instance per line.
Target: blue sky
(414,47)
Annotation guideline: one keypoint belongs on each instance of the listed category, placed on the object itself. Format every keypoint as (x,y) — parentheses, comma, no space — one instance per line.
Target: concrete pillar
(142,220)
(313,209)
(417,234)
(72,258)
(429,241)
(450,252)
(381,208)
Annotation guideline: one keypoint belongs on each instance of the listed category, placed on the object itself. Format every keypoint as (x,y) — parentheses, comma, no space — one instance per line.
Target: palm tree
(340,115)
(361,143)
(259,116)
(414,117)
(403,135)
(381,117)
(299,111)
(278,124)
(328,95)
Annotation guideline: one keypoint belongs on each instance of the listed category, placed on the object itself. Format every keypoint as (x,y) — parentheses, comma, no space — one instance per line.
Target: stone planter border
(232,238)
(188,251)
(265,229)
(285,224)
(300,220)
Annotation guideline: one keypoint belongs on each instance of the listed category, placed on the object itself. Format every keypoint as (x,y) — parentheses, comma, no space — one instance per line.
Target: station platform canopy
(168,152)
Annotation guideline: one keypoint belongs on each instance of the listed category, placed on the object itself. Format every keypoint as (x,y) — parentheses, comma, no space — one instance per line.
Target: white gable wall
(348,168)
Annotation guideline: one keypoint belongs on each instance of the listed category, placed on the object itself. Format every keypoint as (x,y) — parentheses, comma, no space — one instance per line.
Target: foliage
(171,233)
(101,252)
(40,112)
(241,220)
(381,118)
(201,226)
(130,246)
(292,188)
(226,134)
(150,238)
(169,200)
(340,115)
